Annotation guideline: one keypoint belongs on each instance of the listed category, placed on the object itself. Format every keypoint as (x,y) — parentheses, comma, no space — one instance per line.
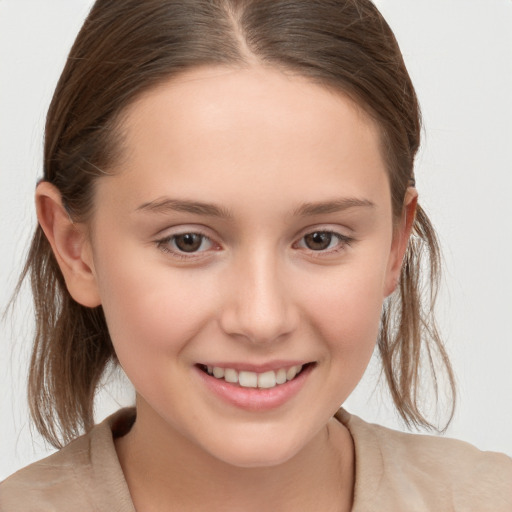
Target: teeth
(218,372)
(247,379)
(231,375)
(281,376)
(291,372)
(267,380)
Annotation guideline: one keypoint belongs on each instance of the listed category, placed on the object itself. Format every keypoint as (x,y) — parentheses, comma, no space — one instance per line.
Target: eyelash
(164,244)
(343,242)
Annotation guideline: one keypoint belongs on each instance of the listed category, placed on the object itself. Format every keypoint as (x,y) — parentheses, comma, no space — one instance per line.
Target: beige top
(394,472)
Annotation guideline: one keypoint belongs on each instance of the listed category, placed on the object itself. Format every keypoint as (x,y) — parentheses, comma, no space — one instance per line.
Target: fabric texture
(395,472)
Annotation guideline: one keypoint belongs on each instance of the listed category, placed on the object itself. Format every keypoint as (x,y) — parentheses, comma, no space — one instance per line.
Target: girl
(229,212)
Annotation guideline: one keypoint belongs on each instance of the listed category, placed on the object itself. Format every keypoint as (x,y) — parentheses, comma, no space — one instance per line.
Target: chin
(258,454)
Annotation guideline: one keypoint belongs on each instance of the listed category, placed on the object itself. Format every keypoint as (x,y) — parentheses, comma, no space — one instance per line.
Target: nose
(257,305)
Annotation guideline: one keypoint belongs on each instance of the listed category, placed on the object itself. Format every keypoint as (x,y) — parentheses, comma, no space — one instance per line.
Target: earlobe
(401,240)
(70,245)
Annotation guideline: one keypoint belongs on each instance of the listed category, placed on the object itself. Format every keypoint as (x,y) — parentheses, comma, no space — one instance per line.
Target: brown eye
(318,241)
(186,245)
(189,242)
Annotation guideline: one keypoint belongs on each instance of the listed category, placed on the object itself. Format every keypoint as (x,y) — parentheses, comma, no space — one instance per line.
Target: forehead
(229,131)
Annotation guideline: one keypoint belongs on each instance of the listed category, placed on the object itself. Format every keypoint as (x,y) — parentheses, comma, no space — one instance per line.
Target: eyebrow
(166,205)
(334,206)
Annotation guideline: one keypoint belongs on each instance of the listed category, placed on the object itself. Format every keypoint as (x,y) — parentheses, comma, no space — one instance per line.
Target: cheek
(346,307)
(151,310)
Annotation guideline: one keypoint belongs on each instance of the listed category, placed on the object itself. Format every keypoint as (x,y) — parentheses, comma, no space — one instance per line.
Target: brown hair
(125,48)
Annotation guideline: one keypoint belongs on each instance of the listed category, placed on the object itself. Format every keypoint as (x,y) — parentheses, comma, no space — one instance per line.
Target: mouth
(256,380)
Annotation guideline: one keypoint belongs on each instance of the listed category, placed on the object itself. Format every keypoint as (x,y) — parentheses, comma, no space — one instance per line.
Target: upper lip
(257,368)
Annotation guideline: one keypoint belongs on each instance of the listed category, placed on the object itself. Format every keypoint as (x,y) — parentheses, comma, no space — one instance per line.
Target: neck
(163,467)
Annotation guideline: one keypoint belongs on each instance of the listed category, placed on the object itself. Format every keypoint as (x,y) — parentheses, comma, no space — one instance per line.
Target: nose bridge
(259,307)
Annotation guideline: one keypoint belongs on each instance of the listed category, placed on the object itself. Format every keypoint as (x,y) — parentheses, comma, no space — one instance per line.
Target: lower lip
(255,399)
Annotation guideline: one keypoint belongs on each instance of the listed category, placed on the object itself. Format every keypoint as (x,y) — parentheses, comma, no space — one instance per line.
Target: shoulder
(84,475)
(42,485)
(427,472)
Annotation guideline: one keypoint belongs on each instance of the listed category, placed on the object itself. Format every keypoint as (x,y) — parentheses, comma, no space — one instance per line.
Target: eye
(319,240)
(324,241)
(185,243)
(190,242)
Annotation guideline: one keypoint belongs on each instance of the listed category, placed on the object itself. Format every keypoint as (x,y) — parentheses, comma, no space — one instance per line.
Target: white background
(459,54)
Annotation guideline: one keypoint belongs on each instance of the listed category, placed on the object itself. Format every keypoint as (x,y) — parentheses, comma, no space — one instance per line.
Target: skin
(262,146)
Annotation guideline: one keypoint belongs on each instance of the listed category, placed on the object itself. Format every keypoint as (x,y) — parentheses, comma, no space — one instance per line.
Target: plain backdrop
(459,54)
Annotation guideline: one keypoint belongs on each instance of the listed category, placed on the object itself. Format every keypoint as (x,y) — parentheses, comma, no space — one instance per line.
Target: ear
(70,245)
(401,235)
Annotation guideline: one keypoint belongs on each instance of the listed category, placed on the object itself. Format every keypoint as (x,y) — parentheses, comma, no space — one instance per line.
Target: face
(247,237)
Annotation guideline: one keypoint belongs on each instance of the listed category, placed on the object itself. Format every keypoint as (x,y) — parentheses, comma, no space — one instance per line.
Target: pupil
(318,241)
(189,242)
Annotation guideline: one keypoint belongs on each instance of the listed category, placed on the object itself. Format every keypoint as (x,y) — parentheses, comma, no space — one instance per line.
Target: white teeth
(281,376)
(218,372)
(290,374)
(267,379)
(247,379)
(231,375)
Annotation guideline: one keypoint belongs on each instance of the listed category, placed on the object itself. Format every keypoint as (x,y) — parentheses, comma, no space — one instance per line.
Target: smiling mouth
(247,379)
